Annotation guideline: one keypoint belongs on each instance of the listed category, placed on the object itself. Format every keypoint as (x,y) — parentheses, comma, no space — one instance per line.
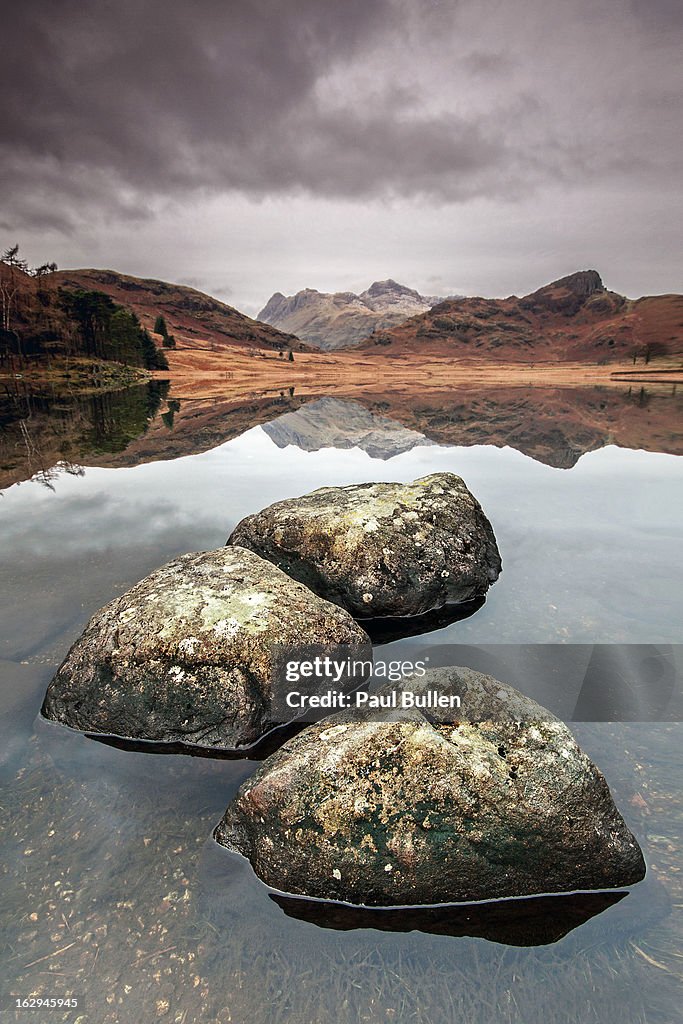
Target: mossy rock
(381,549)
(399,808)
(187,655)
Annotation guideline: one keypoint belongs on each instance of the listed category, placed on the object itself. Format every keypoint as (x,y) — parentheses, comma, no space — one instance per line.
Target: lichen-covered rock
(375,811)
(381,549)
(185,656)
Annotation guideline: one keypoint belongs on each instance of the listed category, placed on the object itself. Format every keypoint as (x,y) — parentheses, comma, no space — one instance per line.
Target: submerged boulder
(409,808)
(381,549)
(186,655)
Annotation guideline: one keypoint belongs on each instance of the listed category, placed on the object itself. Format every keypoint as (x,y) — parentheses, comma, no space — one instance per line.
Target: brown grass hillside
(575,319)
(196,320)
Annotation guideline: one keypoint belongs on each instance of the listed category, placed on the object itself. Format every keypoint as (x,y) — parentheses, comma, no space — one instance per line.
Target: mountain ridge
(575,318)
(195,318)
(336,320)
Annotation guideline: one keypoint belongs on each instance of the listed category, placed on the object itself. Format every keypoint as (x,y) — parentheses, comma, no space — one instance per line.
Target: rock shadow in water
(384,630)
(529,921)
(258,751)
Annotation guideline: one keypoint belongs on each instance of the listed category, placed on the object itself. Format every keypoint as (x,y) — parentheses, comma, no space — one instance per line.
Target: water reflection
(592,555)
(343,423)
(44,434)
(47,434)
(555,426)
(383,630)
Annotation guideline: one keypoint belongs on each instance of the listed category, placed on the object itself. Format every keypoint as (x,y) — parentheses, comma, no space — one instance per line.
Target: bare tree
(8,293)
(10,263)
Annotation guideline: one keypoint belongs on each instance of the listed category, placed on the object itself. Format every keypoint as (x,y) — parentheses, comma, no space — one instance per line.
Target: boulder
(413,808)
(186,656)
(381,549)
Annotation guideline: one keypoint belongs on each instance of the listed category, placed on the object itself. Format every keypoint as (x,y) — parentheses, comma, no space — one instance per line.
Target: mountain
(335,423)
(194,319)
(332,321)
(574,319)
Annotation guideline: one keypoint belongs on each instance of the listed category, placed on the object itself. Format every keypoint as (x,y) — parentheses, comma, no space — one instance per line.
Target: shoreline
(77,376)
(201,373)
(198,372)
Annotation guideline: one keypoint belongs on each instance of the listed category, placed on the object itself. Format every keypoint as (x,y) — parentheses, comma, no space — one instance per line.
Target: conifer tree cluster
(160,327)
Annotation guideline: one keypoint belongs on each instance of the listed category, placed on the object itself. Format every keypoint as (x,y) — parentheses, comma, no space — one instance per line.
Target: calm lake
(114,889)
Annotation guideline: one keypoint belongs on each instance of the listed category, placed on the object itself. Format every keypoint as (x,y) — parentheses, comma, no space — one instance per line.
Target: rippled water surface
(114,889)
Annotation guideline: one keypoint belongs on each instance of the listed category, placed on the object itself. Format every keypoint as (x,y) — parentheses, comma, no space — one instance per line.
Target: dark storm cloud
(121,102)
(119,105)
(160,96)
(659,14)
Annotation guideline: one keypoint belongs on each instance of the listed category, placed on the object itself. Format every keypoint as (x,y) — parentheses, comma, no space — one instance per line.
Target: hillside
(195,320)
(575,319)
(105,315)
(45,325)
(336,320)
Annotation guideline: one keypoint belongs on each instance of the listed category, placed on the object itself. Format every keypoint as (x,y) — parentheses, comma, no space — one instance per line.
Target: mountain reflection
(42,435)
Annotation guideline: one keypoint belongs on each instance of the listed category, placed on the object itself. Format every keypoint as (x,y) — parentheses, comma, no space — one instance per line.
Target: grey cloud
(158,96)
(479,62)
(118,106)
(659,14)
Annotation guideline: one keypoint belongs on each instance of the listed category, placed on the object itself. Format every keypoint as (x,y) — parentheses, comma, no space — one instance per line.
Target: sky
(459,146)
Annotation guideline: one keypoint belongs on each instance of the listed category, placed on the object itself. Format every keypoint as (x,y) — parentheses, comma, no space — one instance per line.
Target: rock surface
(381,549)
(380,812)
(185,655)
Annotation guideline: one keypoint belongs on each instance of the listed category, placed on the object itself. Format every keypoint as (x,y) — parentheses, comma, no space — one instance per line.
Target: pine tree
(154,358)
(160,326)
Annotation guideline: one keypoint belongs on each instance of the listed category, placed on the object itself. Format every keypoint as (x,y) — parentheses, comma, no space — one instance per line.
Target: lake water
(115,891)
